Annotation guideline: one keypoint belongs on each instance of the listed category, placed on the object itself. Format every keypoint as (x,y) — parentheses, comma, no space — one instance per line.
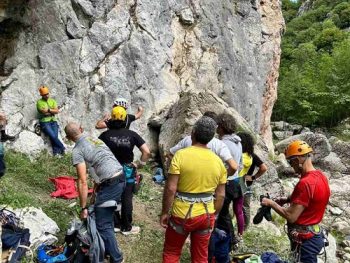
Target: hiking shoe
(116,230)
(236,242)
(133,231)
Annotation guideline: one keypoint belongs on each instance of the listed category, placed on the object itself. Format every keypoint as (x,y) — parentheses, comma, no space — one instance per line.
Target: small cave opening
(157,159)
(9,30)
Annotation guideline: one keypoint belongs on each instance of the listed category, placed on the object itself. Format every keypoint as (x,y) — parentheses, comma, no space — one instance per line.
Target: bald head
(73,131)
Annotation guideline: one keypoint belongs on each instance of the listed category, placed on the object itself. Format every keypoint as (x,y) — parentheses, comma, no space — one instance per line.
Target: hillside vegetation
(314,83)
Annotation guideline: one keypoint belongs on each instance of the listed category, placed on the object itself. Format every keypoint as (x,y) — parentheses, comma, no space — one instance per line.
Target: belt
(114,178)
(313,228)
(195,197)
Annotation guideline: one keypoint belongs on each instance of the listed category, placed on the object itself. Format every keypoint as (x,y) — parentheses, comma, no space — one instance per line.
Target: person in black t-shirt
(107,122)
(250,178)
(121,142)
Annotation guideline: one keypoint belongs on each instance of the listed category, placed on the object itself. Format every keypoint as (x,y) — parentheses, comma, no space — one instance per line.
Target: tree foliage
(314,83)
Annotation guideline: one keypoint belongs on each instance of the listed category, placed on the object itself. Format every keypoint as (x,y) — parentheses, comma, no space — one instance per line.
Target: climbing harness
(299,233)
(192,199)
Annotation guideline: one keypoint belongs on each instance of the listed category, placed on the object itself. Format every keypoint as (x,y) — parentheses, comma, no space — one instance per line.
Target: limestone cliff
(91,51)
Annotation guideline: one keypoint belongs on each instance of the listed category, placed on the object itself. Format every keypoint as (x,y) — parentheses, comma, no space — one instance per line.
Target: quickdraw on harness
(192,199)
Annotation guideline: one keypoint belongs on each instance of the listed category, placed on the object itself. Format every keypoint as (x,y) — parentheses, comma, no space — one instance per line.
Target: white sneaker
(116,230)
(134,231)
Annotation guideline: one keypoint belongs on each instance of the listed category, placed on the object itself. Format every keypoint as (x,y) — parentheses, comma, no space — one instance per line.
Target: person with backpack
(121,142)
(107,122)
(47,109)
(249,162)
(308,204)
(107,173)
(189,206)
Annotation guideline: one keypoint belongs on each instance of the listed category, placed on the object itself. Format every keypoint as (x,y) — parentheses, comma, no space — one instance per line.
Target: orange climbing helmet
(297,148)
(118,113)
(43,90)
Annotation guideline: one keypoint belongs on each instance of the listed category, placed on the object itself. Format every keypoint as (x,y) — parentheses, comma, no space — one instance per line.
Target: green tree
(314,83)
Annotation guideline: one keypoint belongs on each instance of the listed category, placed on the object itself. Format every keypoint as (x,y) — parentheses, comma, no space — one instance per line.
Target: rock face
(319,143)
(89,52)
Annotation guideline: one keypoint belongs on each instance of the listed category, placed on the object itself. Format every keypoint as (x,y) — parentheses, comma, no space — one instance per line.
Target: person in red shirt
(308,203)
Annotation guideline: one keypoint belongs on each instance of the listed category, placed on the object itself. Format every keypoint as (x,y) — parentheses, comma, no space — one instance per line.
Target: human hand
(248,178)
(164,219)
(139,108)
(83,214)
(266,201)
(106,117)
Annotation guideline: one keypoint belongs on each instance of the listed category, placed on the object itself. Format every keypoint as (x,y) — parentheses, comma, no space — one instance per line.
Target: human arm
(260,172)
(101,124)
(219,198)
(185,142)
(291,213)
(232,167)
(139,112)
(53,110)
(168,198)
(262,168)
(145,154)
(82,187)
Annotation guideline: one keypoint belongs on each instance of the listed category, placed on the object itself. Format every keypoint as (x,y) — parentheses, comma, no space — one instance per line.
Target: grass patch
(26,183)
(258,241)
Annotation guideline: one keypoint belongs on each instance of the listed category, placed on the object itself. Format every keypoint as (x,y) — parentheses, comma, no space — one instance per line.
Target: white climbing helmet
(121,102)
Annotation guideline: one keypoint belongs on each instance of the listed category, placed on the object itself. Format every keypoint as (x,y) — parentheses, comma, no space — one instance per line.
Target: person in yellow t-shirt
(195,175)
(47,109)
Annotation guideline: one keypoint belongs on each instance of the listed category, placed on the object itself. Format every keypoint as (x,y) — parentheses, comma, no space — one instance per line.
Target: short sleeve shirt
(199,171)
(247,161)
(100,160)
(122,143)
(42,104)
(312,192)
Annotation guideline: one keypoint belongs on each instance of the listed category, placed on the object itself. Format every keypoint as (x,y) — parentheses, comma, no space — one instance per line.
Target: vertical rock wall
(90,51)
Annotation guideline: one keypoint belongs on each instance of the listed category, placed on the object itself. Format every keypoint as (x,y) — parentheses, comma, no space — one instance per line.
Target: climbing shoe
(5,137)
(263,211)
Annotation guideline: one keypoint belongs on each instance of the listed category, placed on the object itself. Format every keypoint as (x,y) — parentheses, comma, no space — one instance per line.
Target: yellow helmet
(118,113)
(297,148)
(43,90)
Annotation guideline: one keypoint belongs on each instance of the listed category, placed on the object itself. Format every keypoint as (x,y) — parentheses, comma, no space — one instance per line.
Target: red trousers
(199,241)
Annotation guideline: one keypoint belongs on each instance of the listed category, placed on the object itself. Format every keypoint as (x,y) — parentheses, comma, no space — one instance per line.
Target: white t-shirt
(215,145)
